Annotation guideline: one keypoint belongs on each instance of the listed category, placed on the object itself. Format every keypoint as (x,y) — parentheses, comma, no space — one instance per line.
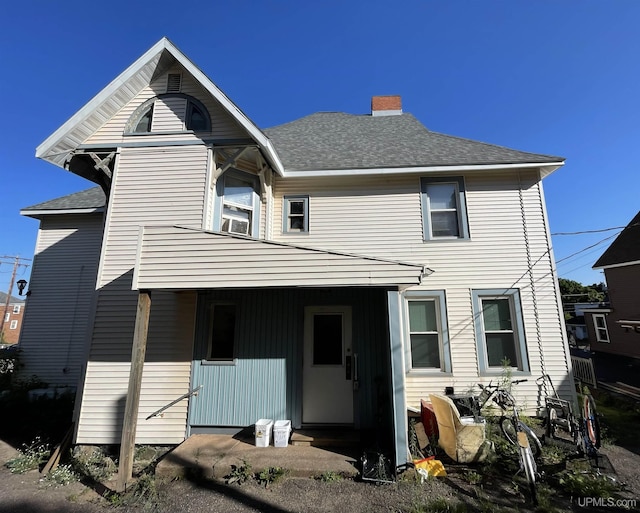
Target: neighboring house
(11,321)
(576,326)
(615,329)
(333,270)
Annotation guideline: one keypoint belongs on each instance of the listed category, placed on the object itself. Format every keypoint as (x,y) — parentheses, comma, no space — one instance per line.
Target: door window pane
(327,339)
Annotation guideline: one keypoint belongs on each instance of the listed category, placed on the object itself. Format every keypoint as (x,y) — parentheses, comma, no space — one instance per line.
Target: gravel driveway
(28,494)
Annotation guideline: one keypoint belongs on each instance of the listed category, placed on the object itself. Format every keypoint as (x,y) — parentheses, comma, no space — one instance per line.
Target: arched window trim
(143,109)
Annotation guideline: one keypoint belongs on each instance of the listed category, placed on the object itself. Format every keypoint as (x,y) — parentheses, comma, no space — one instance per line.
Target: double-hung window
(296,214)
(239,204)
(600,325)
(444,213)
(499,330)
(426,331)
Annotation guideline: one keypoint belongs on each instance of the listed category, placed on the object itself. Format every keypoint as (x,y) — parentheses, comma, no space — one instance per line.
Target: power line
(588,247)
(596,231)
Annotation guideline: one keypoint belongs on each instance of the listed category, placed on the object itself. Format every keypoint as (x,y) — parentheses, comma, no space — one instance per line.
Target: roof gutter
(44,212)
(546,168)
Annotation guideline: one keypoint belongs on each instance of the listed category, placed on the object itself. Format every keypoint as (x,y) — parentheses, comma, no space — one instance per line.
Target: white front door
(327,382)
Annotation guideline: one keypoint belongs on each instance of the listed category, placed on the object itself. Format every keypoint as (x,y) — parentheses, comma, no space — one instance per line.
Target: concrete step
(326,438)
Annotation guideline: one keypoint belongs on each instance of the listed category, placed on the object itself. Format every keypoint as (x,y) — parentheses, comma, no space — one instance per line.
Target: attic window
(167,113)
(144,123)
(174,82)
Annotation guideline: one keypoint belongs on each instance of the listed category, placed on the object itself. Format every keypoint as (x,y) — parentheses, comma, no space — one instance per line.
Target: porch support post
(398,399)
(130,421)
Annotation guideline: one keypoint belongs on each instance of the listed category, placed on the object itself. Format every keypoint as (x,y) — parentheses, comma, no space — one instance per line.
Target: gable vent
(174,82)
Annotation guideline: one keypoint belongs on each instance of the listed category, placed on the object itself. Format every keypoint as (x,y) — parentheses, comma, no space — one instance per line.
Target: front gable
(101,124)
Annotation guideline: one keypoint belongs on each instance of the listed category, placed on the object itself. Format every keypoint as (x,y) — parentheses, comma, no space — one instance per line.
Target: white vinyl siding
(175,258)
(509,235)
(169,114)
(55,334)
(223,125)
(150,186)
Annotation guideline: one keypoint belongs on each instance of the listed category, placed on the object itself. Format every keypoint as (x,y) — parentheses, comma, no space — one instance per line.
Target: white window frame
(287,215)
(521,366)
(461,207)
(16,309)
(253,209)
(600,329)
(13,325)
(439,299)
(7,316)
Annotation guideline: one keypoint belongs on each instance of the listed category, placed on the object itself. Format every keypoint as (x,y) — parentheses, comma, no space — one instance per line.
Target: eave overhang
(59,146)
(180,258)
(545,170)
(614,266)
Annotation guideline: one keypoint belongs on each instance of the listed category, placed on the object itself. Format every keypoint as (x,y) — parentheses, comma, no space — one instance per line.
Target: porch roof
(180,258)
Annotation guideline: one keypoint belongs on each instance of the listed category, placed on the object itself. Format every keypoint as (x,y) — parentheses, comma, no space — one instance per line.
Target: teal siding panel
(265,379)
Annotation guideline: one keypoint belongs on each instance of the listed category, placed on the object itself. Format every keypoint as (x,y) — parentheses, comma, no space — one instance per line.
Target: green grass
(619,419)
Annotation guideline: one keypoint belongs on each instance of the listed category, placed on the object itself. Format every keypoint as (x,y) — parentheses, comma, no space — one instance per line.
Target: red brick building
(12,317)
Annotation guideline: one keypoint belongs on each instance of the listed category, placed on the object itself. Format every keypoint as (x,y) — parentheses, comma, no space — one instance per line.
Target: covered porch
(315,336)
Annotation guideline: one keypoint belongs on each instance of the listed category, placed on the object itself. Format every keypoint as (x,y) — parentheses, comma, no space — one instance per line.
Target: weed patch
(271,475)
(329,477)
(240,474)
(62,475)
(29,457)
(587,484)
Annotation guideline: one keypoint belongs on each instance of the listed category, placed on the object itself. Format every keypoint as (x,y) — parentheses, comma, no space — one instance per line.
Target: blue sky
(545,76)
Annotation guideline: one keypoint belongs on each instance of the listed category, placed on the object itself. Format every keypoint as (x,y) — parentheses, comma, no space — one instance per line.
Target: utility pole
(16,265)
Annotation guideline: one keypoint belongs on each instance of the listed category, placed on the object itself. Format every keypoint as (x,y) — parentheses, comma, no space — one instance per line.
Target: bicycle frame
(507,403)
(560,415)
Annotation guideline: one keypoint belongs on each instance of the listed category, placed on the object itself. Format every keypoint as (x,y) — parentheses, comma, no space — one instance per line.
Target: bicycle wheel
(591,424)
(528,463)
(506,424)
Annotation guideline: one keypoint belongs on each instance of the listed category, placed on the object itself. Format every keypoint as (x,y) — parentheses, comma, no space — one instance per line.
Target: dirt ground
(28,493)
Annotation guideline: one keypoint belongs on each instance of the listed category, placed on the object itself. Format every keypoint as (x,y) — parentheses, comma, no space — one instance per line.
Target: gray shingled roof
(335,140)
(89,198)
(625,248)
(13,301)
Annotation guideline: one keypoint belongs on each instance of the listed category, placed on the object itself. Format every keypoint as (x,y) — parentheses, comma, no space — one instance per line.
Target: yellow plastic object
(433,467)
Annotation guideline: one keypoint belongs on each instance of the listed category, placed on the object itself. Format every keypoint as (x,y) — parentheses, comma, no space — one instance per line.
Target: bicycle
(584,431)
(506,426)
(518,433)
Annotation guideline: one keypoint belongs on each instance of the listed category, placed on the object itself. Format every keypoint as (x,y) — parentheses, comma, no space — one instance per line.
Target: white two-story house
(332,271)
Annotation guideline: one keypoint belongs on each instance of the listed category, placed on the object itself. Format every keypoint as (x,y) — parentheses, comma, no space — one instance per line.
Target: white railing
(583,370)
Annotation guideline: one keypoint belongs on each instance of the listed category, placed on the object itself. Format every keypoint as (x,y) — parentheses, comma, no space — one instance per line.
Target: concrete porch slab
(212,456)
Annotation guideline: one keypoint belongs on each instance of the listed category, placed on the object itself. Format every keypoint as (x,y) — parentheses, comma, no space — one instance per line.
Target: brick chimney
(386,105)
